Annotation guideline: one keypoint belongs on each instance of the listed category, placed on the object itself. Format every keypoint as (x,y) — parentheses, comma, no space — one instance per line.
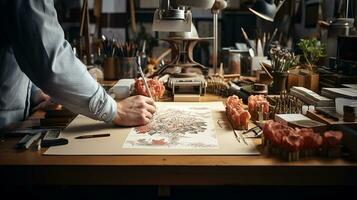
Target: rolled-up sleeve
(47,59)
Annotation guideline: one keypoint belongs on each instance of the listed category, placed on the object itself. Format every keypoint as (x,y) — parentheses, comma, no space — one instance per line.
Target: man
(33,51)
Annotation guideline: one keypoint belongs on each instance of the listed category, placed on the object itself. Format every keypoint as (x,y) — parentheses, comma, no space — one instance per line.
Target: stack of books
(311,98)
(333,93)
(300,121)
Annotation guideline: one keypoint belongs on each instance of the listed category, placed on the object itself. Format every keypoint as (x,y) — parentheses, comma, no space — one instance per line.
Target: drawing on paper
(176,127)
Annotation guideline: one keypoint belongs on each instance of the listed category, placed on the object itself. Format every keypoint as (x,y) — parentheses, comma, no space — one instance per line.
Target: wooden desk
(31,167)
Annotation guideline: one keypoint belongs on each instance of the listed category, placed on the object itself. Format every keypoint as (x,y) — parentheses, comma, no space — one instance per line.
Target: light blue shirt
(33,50)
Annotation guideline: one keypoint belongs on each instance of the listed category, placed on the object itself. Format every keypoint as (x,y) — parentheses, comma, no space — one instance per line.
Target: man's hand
(135,111)
(42,102)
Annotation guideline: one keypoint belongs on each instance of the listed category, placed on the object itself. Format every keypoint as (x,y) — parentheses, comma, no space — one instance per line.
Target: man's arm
(48,60)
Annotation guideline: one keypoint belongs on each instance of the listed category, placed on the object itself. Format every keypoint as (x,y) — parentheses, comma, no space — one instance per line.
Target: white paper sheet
(176,127)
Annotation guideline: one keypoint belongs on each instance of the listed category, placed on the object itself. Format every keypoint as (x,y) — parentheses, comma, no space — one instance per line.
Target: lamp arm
(347,7)
(217,6)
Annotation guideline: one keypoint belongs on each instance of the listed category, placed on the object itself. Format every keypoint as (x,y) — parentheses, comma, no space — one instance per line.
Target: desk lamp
(265,9)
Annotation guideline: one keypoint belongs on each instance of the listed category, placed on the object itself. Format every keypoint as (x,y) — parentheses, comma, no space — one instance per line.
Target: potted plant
(281,61)
(312,52)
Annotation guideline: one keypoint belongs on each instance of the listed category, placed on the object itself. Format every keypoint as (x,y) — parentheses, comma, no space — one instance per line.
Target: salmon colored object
(290,139)
(332,138)
(257,103)
(157,89)
(236,114)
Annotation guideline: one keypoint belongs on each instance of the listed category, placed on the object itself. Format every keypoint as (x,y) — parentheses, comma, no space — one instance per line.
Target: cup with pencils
(127,60)
(119,59)
(110,60)
(110,68)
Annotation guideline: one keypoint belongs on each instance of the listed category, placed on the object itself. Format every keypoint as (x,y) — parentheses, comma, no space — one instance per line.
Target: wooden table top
(31,167)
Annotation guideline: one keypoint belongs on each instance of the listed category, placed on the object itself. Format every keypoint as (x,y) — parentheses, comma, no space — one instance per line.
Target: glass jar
(234,63)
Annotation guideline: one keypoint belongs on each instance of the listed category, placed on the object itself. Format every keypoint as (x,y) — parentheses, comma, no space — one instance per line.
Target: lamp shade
(265,9)
(205,4)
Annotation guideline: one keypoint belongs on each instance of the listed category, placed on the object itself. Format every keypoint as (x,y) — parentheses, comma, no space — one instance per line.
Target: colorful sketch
(176,127)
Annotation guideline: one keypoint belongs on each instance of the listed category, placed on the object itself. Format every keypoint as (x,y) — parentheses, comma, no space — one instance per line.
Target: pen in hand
(143,77)
(92,136)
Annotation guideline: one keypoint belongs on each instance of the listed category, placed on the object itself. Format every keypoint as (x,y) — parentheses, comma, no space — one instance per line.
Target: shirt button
(104,115)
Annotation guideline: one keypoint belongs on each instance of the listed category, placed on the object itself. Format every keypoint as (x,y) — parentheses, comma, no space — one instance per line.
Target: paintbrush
(264,41)
(267,45)
(247,38)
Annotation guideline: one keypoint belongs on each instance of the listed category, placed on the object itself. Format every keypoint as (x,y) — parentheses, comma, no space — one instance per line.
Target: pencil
(146,86)
(92,136)
(144,79)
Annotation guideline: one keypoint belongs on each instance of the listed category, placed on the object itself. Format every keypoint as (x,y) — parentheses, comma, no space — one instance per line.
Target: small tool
(242,137)
(38,145)
(238,135)
(27,141)
(256,130)
(92,136)
(52,138)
